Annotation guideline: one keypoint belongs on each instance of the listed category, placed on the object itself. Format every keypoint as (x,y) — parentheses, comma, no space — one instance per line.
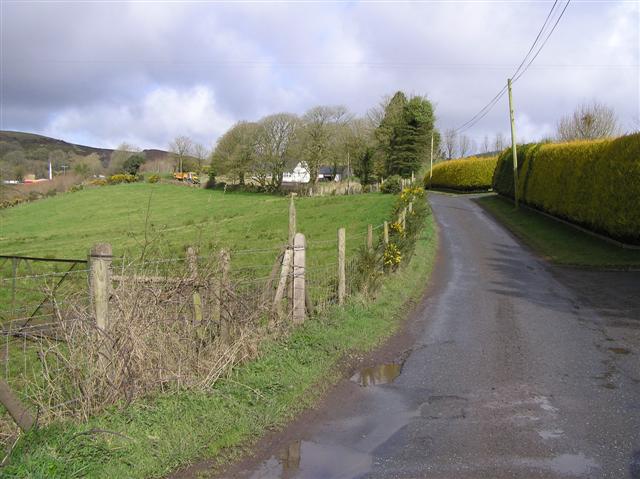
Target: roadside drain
(380,374)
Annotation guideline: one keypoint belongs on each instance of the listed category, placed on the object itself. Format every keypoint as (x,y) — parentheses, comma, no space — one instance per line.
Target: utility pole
(513,145)
(431,168)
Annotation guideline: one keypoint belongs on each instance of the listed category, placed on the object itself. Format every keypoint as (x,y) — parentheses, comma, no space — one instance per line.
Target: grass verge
(153,437)
(557,241)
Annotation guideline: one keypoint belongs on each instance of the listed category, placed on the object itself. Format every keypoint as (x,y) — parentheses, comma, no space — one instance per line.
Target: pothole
(375,375)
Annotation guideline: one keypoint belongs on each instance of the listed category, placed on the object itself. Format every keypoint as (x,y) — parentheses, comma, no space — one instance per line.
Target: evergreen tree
(404,134)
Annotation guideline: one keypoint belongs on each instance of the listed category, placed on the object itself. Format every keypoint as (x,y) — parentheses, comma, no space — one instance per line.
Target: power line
(517,74)
(543,43)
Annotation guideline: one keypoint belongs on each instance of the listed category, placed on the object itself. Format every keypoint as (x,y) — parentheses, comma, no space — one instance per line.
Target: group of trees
(588,121)
(458,146)
(392,139)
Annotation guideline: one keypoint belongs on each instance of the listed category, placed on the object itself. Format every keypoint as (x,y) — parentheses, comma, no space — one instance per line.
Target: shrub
(468,174)
(75,188)
(98,182)
(595,184)
(121,178)
(392,185)
(153,178)
(503,176)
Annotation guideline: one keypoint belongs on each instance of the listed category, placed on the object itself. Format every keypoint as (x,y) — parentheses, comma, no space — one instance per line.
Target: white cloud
(158,117)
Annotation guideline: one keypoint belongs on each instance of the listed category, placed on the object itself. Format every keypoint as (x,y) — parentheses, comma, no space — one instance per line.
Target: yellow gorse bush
(411,194)
(396,228)
(392,255)
(468,174)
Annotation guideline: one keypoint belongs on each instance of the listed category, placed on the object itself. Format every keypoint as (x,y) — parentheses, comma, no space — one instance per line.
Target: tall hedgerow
(595,184)
(468,174)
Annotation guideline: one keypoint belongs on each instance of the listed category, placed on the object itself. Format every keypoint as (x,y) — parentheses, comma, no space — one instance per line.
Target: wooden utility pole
(513,145)
(431,167)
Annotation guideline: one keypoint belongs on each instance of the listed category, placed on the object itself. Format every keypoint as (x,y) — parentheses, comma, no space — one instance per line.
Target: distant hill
(31,153)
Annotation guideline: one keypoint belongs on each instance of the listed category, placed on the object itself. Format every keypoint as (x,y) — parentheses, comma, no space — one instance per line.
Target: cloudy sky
(104,72)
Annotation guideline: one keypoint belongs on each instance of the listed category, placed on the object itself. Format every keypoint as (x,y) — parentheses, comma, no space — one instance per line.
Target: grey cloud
(98,71)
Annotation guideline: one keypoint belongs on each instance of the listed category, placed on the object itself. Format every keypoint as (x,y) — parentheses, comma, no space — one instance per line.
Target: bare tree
(181,147)
(498,143)
(485,144)
(588,122)
(120,155)
(273,144)
(464,145)
(320,134)
(200,153)
(449,143)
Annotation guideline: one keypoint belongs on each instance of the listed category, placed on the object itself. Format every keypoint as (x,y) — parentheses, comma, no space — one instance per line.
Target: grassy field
(67,225)
(154,436)
(559,242)
(168,218)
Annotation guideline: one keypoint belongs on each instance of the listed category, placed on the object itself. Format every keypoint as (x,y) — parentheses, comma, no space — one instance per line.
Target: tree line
(393,138)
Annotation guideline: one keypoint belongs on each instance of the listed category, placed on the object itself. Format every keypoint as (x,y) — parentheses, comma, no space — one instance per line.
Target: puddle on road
(310,460)
(551,433)
(565,464)
(623,351)
(380,374)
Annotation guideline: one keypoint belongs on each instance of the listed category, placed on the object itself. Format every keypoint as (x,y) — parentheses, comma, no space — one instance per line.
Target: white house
(300,174)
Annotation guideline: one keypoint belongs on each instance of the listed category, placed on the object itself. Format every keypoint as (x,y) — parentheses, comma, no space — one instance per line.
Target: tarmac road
(518,370)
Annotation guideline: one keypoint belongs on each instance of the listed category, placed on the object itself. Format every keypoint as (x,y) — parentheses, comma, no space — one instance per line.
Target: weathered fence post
(385,234)
(192,264)
(299,299)
(284,274)
(225,320)
(342,280)
(403,218)
(100,259)
(410,206)
(292,219)
(370,238)
(16,409)
(413,177)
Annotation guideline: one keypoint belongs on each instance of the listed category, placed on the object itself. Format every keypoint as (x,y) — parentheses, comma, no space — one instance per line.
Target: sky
(106,72)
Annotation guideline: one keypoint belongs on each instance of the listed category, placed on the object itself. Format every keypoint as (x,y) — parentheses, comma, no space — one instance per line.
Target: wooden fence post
(342,280)
(284,275)
(192,264)
(403,218)
(100,259)
(225,320)
(370,238)
(385,234)
(410,206)
(299,299)
(16,409)
(292,219)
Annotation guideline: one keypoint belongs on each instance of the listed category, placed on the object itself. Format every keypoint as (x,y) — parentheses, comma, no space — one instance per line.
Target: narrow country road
(518,370)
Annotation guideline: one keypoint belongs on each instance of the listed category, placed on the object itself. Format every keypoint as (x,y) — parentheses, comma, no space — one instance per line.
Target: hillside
(28,153)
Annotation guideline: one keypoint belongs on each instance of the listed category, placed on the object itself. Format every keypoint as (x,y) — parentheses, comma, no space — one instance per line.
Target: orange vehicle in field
(187,176)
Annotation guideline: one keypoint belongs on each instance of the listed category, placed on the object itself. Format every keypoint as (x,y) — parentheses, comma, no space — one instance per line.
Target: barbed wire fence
(81,335)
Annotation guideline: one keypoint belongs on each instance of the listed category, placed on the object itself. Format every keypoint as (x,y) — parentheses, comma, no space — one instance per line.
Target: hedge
(595,184)
(468,174)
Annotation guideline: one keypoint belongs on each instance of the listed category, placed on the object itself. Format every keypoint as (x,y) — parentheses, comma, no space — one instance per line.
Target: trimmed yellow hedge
(468,174)
(595,184)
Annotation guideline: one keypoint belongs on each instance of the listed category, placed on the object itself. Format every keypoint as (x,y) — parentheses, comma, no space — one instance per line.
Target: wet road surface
(519,370)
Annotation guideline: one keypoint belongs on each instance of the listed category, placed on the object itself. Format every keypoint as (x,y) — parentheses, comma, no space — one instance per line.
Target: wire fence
(73,342)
